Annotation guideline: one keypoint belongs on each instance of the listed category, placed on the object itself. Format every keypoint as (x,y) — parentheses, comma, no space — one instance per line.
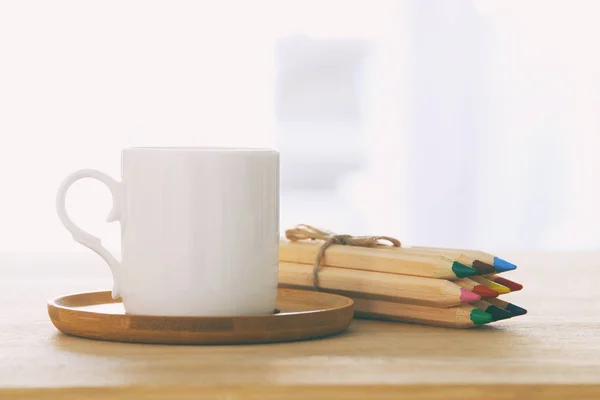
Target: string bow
(307,232)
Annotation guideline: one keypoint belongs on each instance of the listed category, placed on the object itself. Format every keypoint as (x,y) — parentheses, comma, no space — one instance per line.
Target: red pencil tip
(512,285)
(485,291)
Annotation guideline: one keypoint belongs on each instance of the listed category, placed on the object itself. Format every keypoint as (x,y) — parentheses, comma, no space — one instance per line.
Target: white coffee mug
(199,230)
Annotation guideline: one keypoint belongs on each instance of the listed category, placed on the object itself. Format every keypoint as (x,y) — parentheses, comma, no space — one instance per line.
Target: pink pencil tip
(466,296)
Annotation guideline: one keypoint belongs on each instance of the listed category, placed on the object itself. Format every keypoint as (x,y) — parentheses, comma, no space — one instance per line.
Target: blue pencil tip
(503,265)
(515,310)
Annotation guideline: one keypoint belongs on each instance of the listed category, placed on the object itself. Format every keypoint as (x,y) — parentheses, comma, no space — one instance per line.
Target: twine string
(307,232)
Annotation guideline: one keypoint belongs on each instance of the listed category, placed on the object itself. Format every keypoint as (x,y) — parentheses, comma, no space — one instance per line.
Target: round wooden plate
(302,315)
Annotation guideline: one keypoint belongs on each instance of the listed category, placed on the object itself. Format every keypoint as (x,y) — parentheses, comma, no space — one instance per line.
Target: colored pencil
(491,284)
(512,285)
(482,290)
(500,265)
(512,308)
(496,312)
(376,259)
(369,284)
(464,316)
(480,267)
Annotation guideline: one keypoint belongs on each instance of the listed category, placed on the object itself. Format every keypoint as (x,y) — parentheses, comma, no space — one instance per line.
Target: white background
(459,122)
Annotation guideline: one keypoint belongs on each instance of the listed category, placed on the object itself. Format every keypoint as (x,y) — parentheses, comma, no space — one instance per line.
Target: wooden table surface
(554,350)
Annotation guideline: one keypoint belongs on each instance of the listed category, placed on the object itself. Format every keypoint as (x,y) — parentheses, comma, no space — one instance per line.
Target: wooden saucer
(302,315)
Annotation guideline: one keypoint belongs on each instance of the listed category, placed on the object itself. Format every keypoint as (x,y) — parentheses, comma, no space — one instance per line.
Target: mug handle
(79,235)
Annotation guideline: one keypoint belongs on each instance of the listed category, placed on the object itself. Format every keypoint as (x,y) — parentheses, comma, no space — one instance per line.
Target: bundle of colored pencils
(431,286)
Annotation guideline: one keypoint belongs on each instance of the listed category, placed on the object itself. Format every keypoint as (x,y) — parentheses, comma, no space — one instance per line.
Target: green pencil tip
(480,317)
(462,270)
(498,313)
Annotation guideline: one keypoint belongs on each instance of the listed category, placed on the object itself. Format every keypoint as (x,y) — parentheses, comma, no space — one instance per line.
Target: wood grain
(479,255)
(553,351)
(301,315)
(452,317)
(369,284)
(392,260)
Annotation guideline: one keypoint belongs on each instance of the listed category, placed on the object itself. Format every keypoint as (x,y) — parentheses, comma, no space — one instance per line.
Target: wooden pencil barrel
(475,254)
(454,317)
(381,259)
(369,284)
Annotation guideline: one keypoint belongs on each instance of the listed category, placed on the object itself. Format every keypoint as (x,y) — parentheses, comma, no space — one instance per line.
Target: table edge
(281,391)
